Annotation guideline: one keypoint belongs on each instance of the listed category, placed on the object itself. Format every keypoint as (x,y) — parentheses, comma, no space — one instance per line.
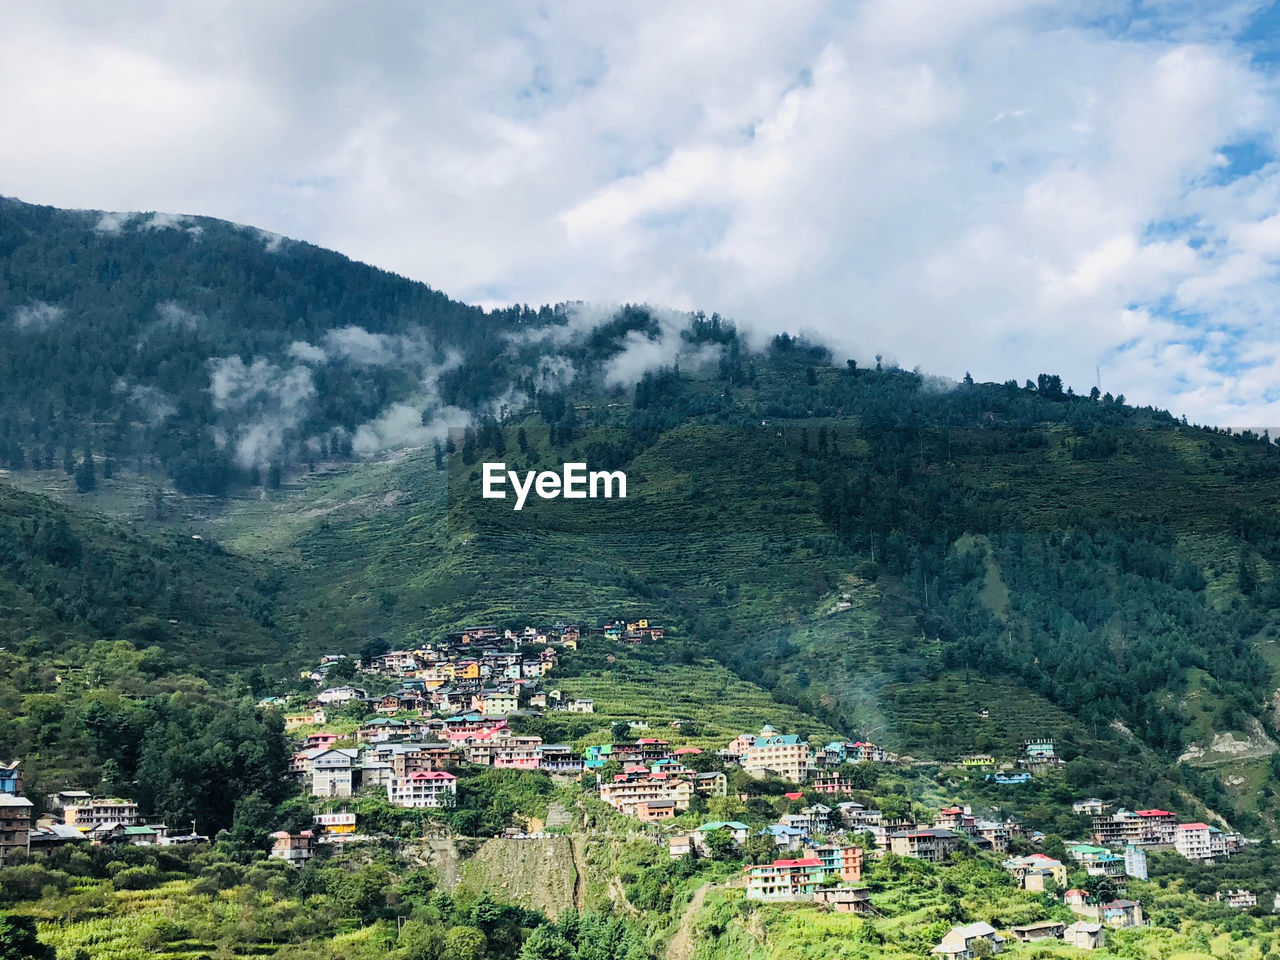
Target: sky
(1090,188)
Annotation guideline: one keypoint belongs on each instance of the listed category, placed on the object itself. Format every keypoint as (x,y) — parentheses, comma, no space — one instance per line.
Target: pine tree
(86,479)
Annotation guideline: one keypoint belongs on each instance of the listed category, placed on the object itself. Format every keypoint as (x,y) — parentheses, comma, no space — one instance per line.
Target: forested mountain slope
(945,567)
(223,356)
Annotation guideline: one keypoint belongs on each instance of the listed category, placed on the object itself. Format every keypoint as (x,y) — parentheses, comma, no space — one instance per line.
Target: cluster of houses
(465,662)
(814,866)
(1158,829)
(480,668)
(818,871)
(75,816)
(15,811)
(791,758)
(1038,753)
(656,783)
(961,943)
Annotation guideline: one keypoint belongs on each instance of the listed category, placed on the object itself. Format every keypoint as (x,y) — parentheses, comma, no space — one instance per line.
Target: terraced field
(722,704)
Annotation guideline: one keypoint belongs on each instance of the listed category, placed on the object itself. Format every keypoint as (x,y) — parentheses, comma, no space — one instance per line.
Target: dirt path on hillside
(680,946)
(577,846)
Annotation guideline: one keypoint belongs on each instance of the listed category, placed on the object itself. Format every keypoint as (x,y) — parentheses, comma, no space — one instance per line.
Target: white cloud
(306,352)
(360,346)
(112,223)
(171,315)
(999,186)
(263,405)
(38,315)
(406,426)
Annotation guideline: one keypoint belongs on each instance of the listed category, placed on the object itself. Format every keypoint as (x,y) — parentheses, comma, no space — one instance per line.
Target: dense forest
(225,357)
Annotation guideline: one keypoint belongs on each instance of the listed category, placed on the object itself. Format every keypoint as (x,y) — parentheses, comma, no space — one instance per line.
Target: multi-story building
(932,845)
(95,813)
(713,784)
(828,783)
(293,848)
(991,834)
(783,754)
(865,752)
(784,879)
(649,811)
(420,758)
(517,753)
(1093,806)
(1194,841)
(1241,899)
(66,798)
(558,758)
(1105,865)
(812,819)
(1143,827)
(955,818)
(1040,750)
(1157,826)
(857,817)
(646,750)
(423,790)
(496,703)
(625,792)
(333,773)
(340,824)
(15,824)
(844,899)
(1036,871)
(843,862)
(1122,913)
(344,694)
(1135,862)
(595,757)
(308,718)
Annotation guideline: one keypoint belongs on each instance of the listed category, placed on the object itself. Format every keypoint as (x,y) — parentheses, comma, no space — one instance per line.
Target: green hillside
(887,554)
(68,580)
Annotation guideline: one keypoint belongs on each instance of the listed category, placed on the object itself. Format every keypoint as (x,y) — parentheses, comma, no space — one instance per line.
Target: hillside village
(464,704)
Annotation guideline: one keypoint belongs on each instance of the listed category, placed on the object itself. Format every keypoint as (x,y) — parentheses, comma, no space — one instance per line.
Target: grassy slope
(722,704)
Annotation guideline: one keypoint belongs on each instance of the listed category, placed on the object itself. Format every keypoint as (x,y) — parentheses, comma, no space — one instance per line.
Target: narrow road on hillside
(680,946)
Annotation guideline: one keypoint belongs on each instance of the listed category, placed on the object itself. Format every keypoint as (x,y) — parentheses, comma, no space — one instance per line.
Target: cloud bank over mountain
(1000,187)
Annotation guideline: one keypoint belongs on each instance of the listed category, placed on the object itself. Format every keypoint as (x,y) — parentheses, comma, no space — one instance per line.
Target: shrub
(137,878)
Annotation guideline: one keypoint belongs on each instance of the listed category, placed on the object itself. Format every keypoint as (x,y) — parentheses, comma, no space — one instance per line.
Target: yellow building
(337,822)
(312,718)
(436,675)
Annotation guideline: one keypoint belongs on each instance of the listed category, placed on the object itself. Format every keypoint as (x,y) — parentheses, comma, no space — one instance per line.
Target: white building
(1092,806)
(1241,899)
(341,695)
(1194,841)
(96,813)
(423,790)
(959,942)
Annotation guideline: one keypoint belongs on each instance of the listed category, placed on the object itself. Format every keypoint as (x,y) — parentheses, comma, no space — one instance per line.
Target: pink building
(518,753)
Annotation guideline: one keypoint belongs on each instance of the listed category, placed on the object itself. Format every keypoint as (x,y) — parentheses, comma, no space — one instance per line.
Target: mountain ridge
(987,539)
